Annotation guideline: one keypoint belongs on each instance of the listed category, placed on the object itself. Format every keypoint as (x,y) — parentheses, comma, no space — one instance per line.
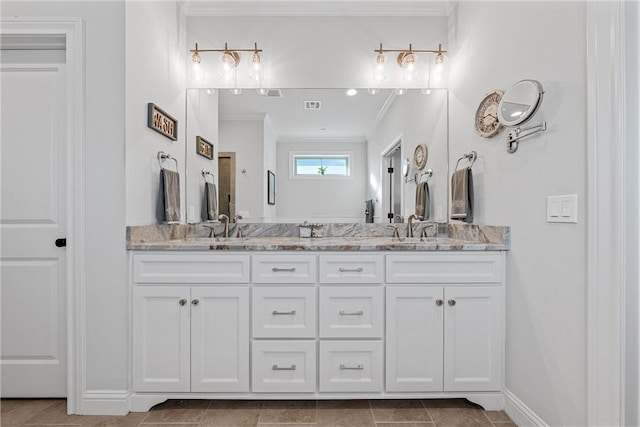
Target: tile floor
(237,413)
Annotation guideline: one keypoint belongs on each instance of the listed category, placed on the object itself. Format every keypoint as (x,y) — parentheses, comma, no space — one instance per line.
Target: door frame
(73,30)
(231,155)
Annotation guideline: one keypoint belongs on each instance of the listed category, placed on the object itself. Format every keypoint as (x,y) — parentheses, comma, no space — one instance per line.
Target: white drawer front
(345,268)
(350,366)
(456,267)
(284,312)
(284,268)
(190,267)
(355,312)
(284,366)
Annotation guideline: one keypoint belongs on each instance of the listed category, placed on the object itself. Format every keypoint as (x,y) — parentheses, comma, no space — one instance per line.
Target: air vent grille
(312,105)
(274,93)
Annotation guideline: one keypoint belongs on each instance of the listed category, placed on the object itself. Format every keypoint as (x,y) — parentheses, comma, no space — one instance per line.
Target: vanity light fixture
(230,61)
(407,60)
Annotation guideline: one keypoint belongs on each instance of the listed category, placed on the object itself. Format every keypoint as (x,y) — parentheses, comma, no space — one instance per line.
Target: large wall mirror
(329,151)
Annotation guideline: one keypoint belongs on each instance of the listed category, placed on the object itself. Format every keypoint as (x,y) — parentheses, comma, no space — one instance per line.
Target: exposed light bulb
(379,68)
(255,69)
(230,61)
(196,67)
(409,66)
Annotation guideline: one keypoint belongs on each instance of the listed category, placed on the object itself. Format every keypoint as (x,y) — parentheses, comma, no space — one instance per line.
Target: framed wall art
(204,147)
(271,188)
(162,122)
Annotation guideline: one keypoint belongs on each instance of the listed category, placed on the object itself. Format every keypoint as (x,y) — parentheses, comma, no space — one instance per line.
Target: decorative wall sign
(160,121)
(204,147)
(271,188)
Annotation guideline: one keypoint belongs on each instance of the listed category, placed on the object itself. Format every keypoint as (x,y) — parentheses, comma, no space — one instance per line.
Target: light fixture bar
(226,49)
(410,50)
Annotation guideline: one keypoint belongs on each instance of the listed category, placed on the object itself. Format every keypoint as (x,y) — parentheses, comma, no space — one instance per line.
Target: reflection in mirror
(520,102)
(324,147)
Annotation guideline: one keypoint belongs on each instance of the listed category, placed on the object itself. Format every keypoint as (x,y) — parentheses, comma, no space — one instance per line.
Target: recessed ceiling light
(351,92)
(373,90)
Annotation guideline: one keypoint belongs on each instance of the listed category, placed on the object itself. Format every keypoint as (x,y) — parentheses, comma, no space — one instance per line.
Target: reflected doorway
(227,184)
(392,162)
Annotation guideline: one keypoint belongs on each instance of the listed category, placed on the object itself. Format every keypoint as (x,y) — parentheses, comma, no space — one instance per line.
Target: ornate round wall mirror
(520,102)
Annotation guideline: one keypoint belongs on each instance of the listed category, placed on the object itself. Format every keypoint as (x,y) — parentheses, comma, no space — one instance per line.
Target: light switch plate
(562,208)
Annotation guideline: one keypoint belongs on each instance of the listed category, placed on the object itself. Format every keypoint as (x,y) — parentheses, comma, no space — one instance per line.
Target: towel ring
(204,175)
(428,173)
(162,156)
(471,156)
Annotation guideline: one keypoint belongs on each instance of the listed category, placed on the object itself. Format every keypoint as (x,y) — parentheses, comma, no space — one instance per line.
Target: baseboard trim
(105,402)
(520,413)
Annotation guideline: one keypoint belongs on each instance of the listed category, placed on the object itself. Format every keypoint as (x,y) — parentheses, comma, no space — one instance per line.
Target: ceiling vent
(274,93)
(312,105)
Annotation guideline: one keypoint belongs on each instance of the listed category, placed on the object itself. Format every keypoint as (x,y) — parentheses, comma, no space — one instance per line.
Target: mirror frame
(534,105)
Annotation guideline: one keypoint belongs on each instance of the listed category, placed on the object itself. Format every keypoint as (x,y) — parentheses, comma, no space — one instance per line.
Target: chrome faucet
(225,220)
(400,218)
(410,224)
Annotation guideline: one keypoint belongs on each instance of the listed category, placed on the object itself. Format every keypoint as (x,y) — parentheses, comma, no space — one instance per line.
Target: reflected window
(318,165)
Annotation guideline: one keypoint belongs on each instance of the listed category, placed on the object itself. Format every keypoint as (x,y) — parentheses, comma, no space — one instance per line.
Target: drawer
(284,312)
(353,312)
(350,366)
(459,267)
(283,366)
(289,268)
(345,268)
(190,268)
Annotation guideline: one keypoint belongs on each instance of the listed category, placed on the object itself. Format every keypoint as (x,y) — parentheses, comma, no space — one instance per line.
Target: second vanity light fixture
(230,60)
(407,61)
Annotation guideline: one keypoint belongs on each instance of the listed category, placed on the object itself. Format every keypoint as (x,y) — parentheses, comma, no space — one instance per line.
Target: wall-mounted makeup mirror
(518,105)
(520,102)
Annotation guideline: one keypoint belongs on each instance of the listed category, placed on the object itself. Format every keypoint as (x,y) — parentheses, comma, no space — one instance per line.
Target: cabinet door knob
(195,302)
(182,301)
(439,302)
(451,302)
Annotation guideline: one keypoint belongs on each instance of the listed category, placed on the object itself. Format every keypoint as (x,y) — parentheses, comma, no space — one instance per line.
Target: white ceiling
(340,116)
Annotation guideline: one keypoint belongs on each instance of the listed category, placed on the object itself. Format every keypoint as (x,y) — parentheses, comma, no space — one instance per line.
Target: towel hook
(205,173)
(471,156)
(162,156)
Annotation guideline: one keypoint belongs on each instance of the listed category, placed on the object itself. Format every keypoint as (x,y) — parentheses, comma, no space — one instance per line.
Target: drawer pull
(351,270)
(283,313)
(276,269)
(358,367)
(278,368)
(351,313)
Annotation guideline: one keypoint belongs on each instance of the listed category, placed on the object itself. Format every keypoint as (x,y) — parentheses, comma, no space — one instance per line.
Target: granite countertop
(450,237)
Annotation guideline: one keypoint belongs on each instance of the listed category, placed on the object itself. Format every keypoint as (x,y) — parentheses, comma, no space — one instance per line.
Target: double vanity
(355,314)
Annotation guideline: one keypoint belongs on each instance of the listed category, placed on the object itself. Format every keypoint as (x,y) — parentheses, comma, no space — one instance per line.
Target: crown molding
(317,8)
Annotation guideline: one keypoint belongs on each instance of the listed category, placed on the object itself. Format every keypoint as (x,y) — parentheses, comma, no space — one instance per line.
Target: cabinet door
(414,339)
(473,339)
(161,338)
(220,339)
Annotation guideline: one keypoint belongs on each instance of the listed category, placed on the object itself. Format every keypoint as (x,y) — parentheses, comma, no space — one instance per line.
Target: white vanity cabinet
(187,337)
(445,322)
(317,324)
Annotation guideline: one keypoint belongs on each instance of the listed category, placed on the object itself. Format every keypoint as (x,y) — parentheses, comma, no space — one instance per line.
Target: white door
(33,216)
(414,339)
(161,328)
(473,339)
(220,339)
